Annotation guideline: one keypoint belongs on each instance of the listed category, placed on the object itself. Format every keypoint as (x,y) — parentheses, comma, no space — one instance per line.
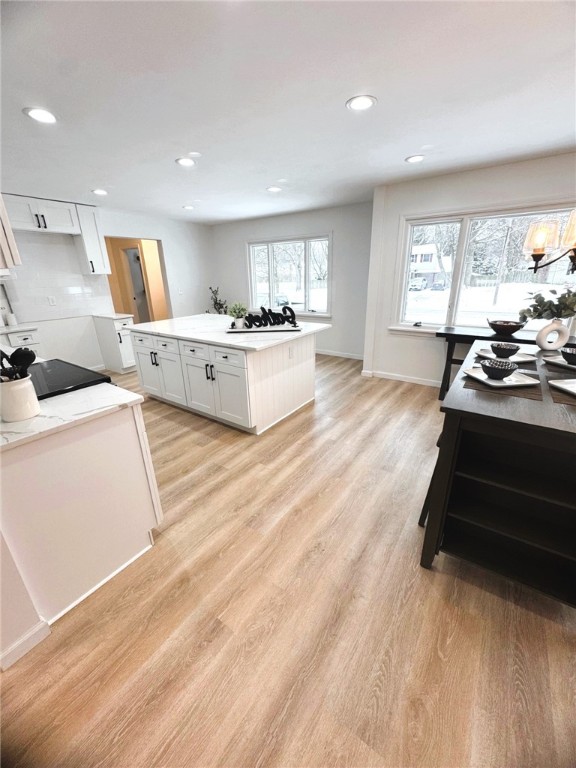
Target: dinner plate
(566,385)
(519,357)
(514,380)
(559,360)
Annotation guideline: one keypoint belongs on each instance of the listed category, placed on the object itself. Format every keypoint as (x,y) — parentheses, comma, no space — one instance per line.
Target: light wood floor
(282,618)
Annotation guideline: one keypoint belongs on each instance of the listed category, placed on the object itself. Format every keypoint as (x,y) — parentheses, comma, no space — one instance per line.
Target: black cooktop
(54,377)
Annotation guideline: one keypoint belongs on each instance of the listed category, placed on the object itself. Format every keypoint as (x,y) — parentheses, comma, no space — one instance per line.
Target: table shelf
(537,568)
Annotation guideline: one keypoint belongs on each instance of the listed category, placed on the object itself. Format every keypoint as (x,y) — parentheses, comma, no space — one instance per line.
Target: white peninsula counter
(250,379)
(79,501)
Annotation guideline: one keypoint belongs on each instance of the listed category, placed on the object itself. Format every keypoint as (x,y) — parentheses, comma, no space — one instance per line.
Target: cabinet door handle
(119,338)
(207,373)
(212,373)
(224,357)
(152,357)
(38,221)
(156,359)
(92,266)
(43,221)
(25,338)
(164,345)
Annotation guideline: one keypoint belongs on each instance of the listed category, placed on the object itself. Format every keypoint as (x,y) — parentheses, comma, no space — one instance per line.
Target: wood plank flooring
(282,618)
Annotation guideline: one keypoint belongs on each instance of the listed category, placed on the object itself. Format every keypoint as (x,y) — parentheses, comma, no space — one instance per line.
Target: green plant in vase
(556,309)
(238,312)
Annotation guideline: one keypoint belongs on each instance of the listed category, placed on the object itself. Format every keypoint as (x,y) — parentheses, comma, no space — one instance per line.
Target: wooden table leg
(450,346)
(439,491)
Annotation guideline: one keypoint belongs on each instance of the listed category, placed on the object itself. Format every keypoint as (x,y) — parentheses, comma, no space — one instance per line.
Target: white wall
(418,355)
(50,267)
(350,229)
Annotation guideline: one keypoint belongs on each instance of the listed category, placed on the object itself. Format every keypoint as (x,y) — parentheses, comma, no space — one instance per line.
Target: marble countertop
(114,316)
(18,328)
(66,411)
(212,329)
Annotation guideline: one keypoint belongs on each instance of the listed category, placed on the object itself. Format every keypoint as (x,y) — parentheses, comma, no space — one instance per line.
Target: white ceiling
(259,89)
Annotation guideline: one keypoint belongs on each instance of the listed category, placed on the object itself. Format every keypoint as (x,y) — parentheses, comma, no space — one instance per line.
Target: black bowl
(569,354)
(504,349)
(498,369)
(505,327)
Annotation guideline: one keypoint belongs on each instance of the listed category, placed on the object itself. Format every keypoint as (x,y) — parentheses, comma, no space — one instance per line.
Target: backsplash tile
(50,268)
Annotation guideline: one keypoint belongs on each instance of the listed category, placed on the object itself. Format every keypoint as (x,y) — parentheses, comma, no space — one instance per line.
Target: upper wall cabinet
(51,216)
(34,215)
(9,256)
(90,244)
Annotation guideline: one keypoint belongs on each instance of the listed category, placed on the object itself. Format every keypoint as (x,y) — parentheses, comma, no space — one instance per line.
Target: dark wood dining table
(463,334)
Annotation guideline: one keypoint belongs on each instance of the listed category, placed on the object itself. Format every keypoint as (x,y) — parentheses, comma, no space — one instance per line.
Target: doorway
(137,281)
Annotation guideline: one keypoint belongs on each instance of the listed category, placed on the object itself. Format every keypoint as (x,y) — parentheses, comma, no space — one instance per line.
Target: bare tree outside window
(293,272)
(494,279)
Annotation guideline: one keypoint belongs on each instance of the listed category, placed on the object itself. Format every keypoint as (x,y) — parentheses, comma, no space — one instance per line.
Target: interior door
(138,288)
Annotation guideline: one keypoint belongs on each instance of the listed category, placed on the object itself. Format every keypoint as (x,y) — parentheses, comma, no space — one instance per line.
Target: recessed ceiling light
(414,159)
(360,103)
(187,162)
(188,207)
(282,181)
(194,154)
(273,189)
(99,192)
(39,114)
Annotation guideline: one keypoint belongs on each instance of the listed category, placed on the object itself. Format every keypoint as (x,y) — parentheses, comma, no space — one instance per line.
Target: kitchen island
(79,501)
(251,379)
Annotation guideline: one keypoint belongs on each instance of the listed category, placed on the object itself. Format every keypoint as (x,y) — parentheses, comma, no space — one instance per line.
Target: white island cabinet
(79,502)
(248,379)
(115,342)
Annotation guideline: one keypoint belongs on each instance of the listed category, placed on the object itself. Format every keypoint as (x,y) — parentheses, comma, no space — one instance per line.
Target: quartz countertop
(211,329)
(66,411)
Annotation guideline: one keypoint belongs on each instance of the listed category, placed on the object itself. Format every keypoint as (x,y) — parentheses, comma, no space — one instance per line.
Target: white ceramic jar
(18,400)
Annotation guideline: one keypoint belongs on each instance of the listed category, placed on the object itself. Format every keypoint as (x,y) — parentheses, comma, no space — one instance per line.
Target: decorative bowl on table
(569,354)
(505,327)
(504,349)
(498,369)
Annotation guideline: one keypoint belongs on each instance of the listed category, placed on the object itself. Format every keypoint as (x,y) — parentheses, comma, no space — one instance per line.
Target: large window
(463,270)
(294,272)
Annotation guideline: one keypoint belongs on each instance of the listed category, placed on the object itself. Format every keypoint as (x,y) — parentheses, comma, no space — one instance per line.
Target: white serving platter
(519,357)
(559,360)
(566,385)
(514,380)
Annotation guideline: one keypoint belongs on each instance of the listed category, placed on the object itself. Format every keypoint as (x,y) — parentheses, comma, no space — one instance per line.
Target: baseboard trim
(24,644)
(330,353)
(400,377)
(100,584)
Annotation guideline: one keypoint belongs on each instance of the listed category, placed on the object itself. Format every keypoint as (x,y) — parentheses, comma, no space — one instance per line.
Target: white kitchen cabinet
(90,244)
(9,255)
(36,215)
(21,337)
(216,382)
(115,341)
(159,368)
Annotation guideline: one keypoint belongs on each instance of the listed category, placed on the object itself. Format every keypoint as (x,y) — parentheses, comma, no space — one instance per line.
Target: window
(294,272)
(461,271)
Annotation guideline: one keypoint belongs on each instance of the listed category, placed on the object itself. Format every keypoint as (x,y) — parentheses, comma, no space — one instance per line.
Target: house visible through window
(294,272)
(462,271)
